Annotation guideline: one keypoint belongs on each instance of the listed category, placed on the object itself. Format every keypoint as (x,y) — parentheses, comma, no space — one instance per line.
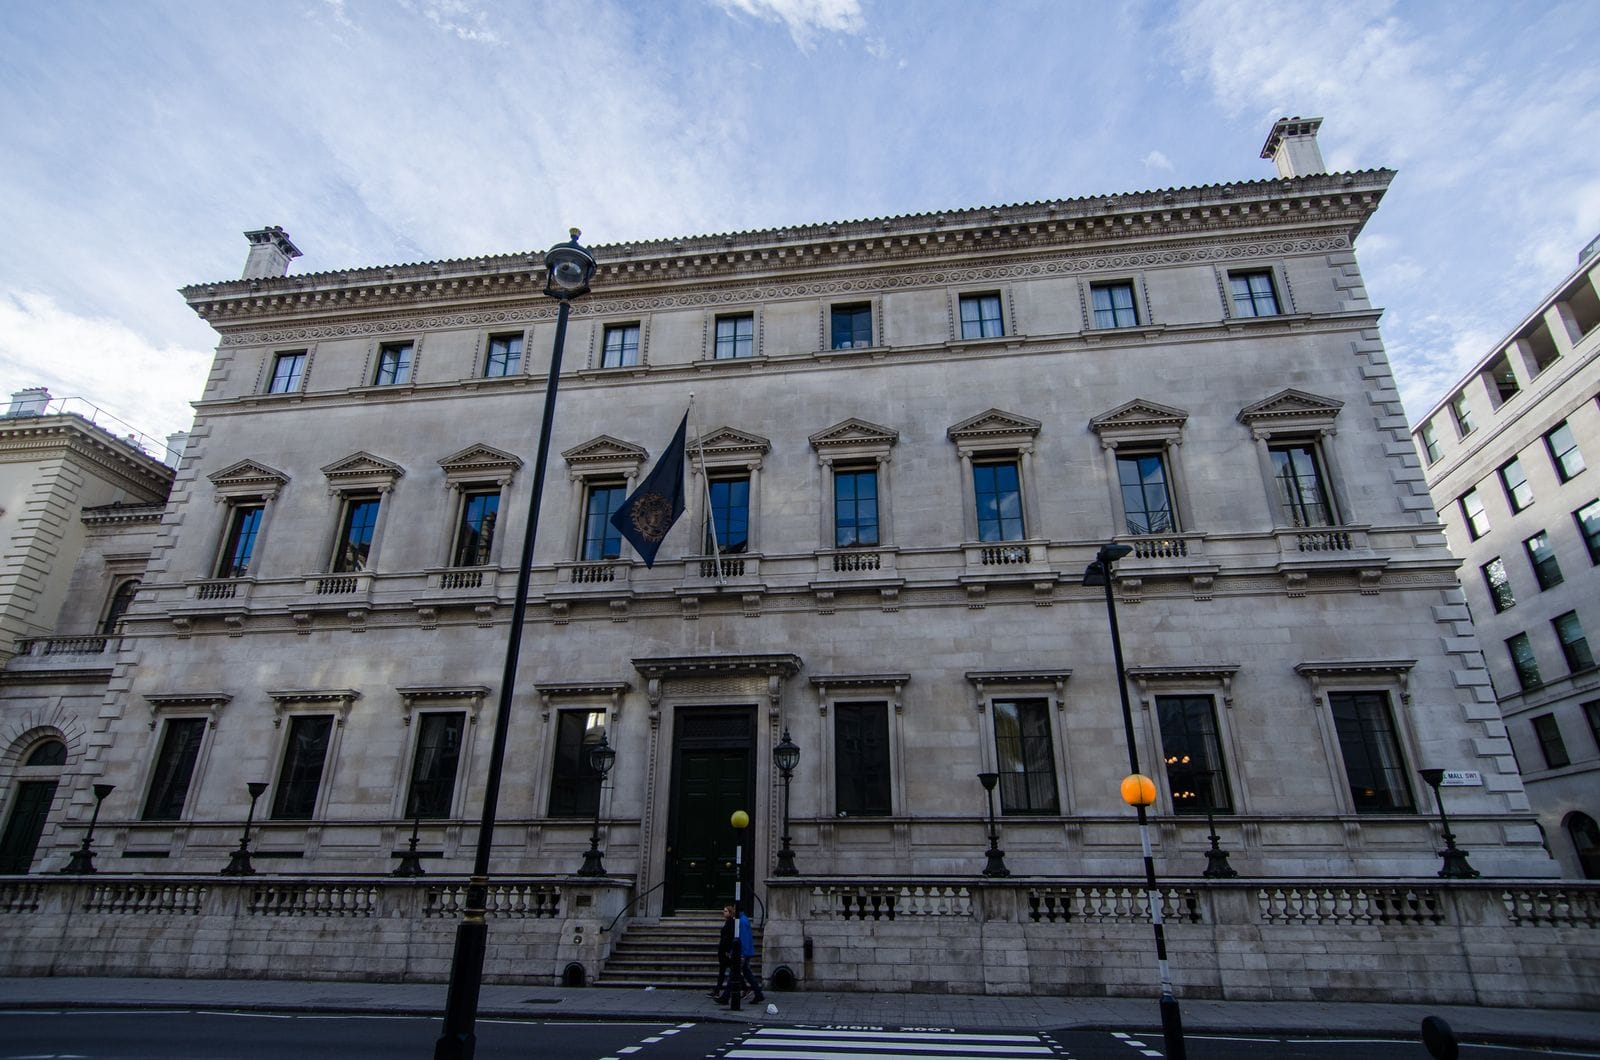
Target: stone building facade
(1506,456)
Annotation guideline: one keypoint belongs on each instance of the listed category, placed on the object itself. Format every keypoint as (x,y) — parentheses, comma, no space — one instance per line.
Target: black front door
(712,776)
(29,809)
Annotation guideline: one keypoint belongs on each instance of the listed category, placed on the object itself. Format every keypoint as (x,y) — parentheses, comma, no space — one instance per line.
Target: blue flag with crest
(649,512)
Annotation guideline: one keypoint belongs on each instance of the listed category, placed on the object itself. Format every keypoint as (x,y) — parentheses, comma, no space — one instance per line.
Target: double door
(713,775)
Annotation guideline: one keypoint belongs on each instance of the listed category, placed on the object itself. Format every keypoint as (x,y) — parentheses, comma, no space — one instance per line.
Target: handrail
(761,917)
(627,907)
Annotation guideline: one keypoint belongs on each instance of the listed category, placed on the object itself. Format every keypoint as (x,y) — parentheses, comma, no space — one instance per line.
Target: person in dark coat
(727,954)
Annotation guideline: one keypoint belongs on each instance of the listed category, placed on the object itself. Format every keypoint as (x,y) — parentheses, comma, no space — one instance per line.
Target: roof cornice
(28,437)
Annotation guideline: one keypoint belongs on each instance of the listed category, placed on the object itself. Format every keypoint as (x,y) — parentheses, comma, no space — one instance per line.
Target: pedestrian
(727,957)
(747,950)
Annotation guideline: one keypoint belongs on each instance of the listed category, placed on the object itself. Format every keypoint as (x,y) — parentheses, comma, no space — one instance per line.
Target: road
(149,1034)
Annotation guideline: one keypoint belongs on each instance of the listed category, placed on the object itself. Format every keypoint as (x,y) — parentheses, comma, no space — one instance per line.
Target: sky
(139,140)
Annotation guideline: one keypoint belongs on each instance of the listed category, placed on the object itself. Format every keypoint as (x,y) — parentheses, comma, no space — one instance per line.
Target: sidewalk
(1552,1027)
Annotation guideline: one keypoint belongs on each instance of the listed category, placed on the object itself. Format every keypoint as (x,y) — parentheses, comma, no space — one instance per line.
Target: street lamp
(239,864)
(568,270)
(740,821)
(995,865)
(410,865)
(82,863)
(1455,859)
(1099,573)
(786,756)
(1217,866)
(600,760)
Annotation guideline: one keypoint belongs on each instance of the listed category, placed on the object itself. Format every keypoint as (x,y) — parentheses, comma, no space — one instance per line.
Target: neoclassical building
(908,438)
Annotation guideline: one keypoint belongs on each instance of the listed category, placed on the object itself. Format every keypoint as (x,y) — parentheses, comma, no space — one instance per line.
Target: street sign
(1461,778)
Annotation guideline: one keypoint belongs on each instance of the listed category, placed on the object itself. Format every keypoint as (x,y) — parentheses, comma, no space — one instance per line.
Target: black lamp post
(82,863)
(568,270)
(995,865)
(601,759)
(239,864)
(1217,867)
(410,865)
(1099,573)
(1455,859)
(786,756)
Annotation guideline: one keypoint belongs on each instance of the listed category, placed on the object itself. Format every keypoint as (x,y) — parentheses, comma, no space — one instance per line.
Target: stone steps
(674,953)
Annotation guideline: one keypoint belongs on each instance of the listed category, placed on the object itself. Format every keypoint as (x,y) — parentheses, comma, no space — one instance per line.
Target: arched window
(30,801)
(120,601)
(1585,836)
(49,753)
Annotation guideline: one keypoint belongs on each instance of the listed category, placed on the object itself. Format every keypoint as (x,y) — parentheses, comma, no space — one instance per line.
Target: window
(239,544)
(433,767)
(1574,645)
(1302,491)
(480,510)
(287,369)
(851,327)
(174,768)
(1494,575)
(354,548)
(1193,754)
(736,336)
(1253,294)
(861,759)
(1585,836)
(1113,305)
(505,356)
(997,486)
(1564,452)
(574,785)
(1588,519)
(121,600)
(1554,747)
(1501,379)
(1519,494)
(304,755)
(1025,758)
(729,527)
(620,348)
(855,507)
(980,316)
(1543,558)
(1430,442)
(1523,661)
(1146,503)
(1461,412)
(1371,751)
(394,364)
(602,540)
(1591,713)
(1472,510)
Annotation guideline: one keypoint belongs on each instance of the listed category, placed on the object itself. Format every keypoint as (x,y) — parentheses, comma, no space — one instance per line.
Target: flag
(649,512)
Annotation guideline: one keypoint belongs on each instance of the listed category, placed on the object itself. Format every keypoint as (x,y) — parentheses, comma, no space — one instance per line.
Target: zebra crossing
(800,1043)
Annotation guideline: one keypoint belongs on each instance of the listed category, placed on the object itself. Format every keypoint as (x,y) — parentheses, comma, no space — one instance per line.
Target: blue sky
(139,140)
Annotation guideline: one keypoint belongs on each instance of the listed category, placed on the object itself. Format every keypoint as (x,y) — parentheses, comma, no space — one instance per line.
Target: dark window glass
(1588,518)
(394,363)
(1461,412)
(861,759)
(730,514)
(244,523)
(574,785)
(1543,558)
(433,768)
(855,508)
(1026,759)
(602,540)
(1145,501)
(286,372)
(1564,452)
(1501,379)
(736,336)
(1253,294)
(1113,305)
(1591,713)
(1522,659)
(49,753)
(1494,575)
(1585,835)
(174,769)
(1550,741)
(355,534)
(1519,494)
(1430,442)
(980,316)
(505,356)
(120,602)
(1193,753)
(30,809)
(1302,493)
(852,326)
(1371,751)
(1574,645)
(480,510)
(621,347)
(997,487)
(304,755)
(1472,510)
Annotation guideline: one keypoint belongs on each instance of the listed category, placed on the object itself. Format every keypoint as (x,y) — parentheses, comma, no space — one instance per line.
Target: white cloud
(1157,160)
(804,18)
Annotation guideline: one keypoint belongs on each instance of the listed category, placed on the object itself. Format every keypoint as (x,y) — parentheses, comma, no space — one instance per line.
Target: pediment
(605,449)
(854,433)
(993,424)
(726,441)
(1290,406)
(480,459)
(249,477)
(362,468)
(1139,415)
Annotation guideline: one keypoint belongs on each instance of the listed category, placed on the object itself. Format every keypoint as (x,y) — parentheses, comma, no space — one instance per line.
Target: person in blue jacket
(746,941)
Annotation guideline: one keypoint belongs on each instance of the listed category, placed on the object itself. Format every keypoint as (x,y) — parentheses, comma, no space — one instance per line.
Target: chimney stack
(29,402)
(1292,146)
(270,253)
(177,441)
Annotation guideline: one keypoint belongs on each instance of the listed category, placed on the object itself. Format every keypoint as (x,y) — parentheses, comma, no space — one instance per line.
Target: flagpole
(705,480)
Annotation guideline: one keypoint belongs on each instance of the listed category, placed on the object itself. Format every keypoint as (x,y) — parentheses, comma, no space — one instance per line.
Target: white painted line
(1151,1052)
(927,1048)
(630,1048)
(917,1036)
(834,1054)
(1118,1034)
(1134,1043)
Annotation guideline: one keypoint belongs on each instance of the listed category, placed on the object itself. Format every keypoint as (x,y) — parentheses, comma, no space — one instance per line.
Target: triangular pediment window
(1289,409)
(362,470)
(248,478)
(854,434)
